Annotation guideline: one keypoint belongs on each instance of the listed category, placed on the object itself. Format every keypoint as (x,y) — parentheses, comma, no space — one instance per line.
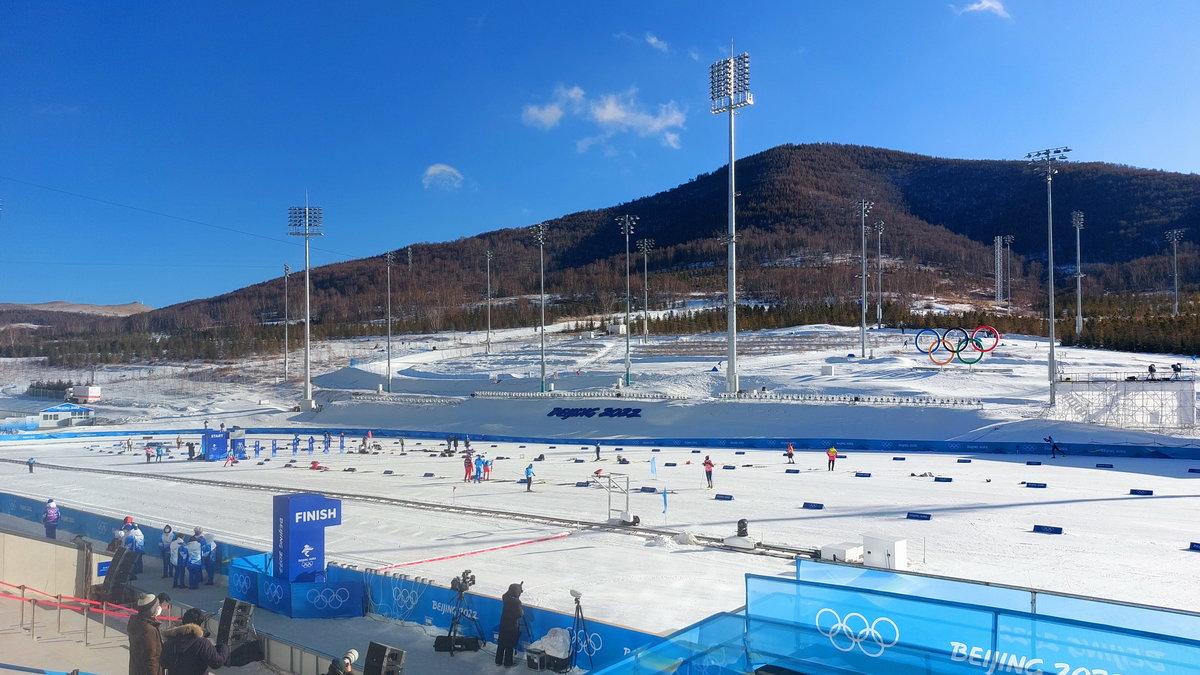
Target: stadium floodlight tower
(1043,161)
(1077,222)
(627,222)
(388,259)
(728,90)
(539,235)
(1174,236)
(1008,241)
(879,274)
(487,256)
(306,221)
(645,245)
(864,207)
(287,272)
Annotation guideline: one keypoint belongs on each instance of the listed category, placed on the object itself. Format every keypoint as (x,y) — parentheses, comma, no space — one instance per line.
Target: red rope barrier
(119,611)
(482,550)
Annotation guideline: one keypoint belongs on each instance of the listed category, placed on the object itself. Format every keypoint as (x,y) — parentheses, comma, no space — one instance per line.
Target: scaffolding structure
(1128,400)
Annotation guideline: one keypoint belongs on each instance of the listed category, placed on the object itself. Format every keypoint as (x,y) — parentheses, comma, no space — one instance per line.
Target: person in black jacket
(510,625)
(187,650)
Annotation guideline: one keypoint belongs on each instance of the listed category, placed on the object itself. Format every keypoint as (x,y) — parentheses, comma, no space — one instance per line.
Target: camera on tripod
(463,582)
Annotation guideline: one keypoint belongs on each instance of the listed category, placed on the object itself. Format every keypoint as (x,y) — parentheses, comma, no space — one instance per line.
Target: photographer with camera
(343,665)
(187,649)
(510,625)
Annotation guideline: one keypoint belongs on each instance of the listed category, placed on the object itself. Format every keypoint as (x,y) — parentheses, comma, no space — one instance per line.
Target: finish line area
(982,524)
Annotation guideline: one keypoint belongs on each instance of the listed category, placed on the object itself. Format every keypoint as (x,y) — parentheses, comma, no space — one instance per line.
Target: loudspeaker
(384,660)
(247,652)
(462,643)
(235,627)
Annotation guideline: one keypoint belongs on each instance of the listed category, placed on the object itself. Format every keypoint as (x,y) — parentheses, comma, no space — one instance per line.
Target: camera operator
(510,625)
(187,650)
(343,665)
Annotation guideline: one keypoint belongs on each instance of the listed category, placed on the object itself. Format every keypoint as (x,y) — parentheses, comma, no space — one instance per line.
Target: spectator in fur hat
(188,651)
(145,640)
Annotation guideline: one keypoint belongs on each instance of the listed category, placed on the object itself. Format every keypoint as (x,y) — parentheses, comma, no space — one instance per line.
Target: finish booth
(291,580)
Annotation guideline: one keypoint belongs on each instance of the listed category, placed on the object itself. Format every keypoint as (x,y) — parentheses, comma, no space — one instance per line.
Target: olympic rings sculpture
(955,341)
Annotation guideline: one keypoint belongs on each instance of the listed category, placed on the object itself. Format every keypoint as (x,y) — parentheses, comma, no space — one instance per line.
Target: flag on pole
(664,500)
(653,468)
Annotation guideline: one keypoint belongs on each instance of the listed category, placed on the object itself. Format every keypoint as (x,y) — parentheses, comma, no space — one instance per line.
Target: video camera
(463,582)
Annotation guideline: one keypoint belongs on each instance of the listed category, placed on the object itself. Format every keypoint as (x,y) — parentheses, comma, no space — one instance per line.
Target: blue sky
(149,150)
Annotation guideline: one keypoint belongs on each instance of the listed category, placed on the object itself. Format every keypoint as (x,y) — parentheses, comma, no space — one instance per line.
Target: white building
(24,414)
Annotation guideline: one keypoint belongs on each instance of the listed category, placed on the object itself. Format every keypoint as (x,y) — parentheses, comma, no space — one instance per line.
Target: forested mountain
(798,244)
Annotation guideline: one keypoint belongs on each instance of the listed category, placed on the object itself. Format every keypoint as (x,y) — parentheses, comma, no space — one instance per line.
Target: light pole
(728,90)
(539,235)
(487,255)
(1008,240)
(879,274)
(306,221)
(1174,236)
(1043,161)
(864,207)
(287,271)
(388,259)
(1077,222)
(627,222)
(644,245)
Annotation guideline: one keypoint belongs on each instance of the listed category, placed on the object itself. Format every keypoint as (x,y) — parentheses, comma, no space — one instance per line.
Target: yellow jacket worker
(831,453)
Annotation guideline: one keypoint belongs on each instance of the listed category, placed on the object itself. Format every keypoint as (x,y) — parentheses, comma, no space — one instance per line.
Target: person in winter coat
(208,548)
(831,453)
(158,453)
(529,474)
(30,463)
(187,649)
(145,639)
(708,467)
(468,467)
(164,551)
(50,519)
(149,453)
(487,469)
(791,454)
(195,562)
(135,541)
(178,555)
(478,468)
(510,625)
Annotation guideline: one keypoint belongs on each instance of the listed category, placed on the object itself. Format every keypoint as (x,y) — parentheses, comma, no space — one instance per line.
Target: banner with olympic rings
(953,343)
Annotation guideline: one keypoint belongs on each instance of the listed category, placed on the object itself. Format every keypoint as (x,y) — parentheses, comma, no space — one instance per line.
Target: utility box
(616,329)
(827,370)
(847,551)
(889,553)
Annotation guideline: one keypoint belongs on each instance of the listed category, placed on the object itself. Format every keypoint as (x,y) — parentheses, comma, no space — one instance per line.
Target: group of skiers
(478,469)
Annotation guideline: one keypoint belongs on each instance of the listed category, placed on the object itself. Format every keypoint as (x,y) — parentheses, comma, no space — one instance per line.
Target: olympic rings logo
(587,643)
(956,341)
(274,593)
(867,637)
(404,597)
(328,598)
(242,583)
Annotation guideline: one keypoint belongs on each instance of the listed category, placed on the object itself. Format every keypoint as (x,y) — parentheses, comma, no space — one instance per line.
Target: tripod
(579,638)
(460,606)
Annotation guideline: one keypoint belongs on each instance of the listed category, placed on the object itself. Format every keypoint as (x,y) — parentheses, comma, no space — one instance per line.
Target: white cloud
(994,6)
(695,55)
(545,117)
(442,177)
(658,44)
(612,114)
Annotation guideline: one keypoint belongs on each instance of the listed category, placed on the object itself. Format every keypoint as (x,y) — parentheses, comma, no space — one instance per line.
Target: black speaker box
(383,660)
(119,571)
(235,625)
(245,653)
(462,643)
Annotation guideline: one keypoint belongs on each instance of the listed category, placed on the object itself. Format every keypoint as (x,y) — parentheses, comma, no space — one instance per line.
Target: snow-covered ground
(1115,545)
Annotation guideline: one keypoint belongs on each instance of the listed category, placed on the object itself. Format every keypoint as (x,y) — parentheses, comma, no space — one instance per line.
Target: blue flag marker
(653,468)
(664,500)
(274,446)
